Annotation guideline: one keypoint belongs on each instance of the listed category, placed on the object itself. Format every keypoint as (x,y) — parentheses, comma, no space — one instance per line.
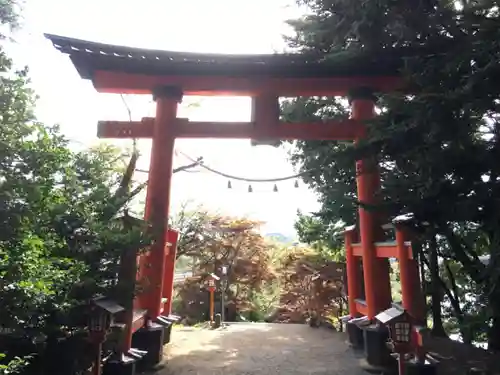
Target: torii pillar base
(126,366)
(167,322)
(149,339)
(377,353)
(416,368)
(355,336)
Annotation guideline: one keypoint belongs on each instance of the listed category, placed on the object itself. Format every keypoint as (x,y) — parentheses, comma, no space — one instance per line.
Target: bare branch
(179,169)
(188,166)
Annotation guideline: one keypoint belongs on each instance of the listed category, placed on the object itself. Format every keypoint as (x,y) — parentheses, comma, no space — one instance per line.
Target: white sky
(225,26)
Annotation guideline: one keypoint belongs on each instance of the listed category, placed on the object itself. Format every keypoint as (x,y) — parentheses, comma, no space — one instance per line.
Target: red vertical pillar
(375,271)
(410,279)
(419,313)
(158,195)
(168,275)
(363,108)
(352,273)
(147,208)
(404,275)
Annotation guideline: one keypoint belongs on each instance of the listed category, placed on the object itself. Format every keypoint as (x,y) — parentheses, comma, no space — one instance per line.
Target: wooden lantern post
(223,288)
(212,304)
(211,287)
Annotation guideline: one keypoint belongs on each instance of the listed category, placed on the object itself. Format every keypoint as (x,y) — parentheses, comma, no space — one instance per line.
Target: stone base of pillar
(377,354)
(217,321)
(123,366)
(414,368)
(355,336)
(150,340)
(371,369)
(167,322)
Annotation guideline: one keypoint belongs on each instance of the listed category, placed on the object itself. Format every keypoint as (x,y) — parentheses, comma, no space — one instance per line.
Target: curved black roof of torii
(89,57)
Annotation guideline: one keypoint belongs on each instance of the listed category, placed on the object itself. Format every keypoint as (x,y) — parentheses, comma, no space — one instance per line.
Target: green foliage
(338,198)
(324,237)
(317,158)
(61,238)
(14,366)
(56,212)
(263,301)
(264,277)
(192,224)
(9,16)
(211,241)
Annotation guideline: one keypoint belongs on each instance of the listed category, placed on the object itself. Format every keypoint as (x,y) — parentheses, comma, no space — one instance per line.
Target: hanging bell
(296,183)
(250,188)
(275,189)
(229,186)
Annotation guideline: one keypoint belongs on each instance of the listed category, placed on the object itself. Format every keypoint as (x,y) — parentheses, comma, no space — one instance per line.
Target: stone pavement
(259,348)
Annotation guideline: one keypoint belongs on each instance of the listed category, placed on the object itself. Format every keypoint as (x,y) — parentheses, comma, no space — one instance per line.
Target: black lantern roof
(108,305)
(391,314)
(89,57)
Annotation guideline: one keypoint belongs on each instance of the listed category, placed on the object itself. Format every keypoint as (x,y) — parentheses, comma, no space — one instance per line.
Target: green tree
(61,242)
(437,149)
(338,198)
(325,237)
(61,238)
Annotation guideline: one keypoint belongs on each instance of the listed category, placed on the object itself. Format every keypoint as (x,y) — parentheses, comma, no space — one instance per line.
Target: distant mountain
(281,238)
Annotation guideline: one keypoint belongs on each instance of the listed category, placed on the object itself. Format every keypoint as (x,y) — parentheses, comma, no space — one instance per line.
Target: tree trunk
(466,333)
(436,295)
(494,331)
(465,330)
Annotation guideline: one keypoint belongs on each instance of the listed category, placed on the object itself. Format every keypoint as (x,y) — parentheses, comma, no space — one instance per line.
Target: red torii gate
(265,78)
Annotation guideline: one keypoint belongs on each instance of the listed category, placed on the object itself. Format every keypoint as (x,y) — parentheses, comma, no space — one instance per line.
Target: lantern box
(224,270)
(101,316)
(400,327)
(210,281)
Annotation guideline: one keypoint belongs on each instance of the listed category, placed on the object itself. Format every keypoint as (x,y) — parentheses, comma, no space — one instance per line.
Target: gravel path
(259,348)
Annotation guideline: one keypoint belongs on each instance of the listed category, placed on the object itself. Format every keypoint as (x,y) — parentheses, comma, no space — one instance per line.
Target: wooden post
(168,275)
(212,305)
(375,271)
(126,281)
(410,279)
(158,194)
(352,273)
(401,363)
(127,275)
(418,306)
(265,115)
(98,359)
(403,260)
(363,108)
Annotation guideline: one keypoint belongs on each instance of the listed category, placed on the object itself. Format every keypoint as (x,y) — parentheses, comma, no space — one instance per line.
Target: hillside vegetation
(265,280)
